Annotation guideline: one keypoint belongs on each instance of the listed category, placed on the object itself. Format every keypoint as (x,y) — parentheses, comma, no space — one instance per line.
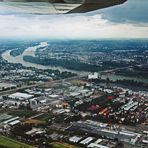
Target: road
(35,116)
(115,69)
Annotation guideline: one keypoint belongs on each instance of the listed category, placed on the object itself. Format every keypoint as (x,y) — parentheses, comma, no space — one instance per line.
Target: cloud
(68,27)
(134,11)
(125,21)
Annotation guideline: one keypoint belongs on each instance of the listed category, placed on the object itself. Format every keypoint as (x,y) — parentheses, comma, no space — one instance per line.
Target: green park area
(10,143)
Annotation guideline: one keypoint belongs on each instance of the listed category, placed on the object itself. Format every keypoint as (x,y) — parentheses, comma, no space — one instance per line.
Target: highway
(115,69)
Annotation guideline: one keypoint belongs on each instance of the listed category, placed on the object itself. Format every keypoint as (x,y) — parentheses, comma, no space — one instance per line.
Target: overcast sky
(127,21)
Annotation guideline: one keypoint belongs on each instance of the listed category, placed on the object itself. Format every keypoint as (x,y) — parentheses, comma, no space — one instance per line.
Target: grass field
(10,143)
(62,145)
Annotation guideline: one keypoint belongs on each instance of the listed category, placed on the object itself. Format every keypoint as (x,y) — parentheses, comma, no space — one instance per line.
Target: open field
(34,121)
(10,143)
(62,145)
(78,82)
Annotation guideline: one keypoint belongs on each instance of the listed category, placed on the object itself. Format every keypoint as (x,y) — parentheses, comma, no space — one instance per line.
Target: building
(75,139)
(93,76)
(20,96)
(94,145)
(96,128)
(86,141)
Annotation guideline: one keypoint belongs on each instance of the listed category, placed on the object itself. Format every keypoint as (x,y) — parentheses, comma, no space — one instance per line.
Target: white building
(86,141)
(75,139)
(93,76)
(20,96)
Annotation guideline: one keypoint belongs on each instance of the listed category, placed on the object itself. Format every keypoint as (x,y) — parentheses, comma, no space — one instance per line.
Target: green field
(62,145)
(10,143)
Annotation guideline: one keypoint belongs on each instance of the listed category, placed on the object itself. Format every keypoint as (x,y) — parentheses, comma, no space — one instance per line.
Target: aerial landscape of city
(73,74)
(49,89)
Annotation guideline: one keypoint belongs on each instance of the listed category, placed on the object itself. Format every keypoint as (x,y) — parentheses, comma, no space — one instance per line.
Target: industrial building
(96,128)
(20,96)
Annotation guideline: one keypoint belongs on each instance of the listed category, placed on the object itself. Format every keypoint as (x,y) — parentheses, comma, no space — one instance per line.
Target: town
(73,74)
(52,94)
(78,112)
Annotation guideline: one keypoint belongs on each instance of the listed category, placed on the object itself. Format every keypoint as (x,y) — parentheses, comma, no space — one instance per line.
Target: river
(30,51)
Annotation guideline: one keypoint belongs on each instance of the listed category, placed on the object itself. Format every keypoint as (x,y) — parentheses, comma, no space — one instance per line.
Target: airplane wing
(58,6)
(87,7)
(40,8)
